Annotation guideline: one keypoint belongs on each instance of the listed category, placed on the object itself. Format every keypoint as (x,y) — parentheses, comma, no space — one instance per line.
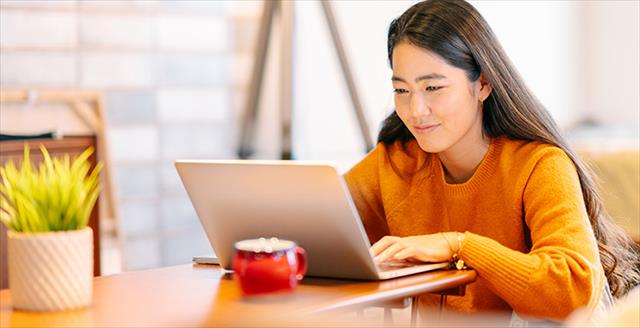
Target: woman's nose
(419,106)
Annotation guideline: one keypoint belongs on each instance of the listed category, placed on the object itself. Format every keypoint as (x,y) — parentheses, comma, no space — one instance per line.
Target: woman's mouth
(425,128)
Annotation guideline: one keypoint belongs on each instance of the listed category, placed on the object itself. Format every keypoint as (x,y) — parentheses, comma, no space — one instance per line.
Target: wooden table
(198,295)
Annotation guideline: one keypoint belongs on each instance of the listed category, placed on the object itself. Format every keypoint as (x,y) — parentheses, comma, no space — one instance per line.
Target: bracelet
(455,259)
(460,263)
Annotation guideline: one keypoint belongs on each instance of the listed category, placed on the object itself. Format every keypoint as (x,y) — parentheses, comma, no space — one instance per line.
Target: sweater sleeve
(364,184)
(562,272)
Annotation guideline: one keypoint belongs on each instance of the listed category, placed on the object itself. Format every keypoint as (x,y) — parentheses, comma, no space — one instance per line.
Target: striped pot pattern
(51,271)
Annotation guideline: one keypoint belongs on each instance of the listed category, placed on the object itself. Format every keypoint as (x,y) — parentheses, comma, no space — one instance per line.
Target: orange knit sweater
(401,191)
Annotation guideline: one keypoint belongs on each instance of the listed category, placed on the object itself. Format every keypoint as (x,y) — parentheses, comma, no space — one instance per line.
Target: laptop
(306,202)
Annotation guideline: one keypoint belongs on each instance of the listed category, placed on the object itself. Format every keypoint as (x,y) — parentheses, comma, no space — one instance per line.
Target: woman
(470,166)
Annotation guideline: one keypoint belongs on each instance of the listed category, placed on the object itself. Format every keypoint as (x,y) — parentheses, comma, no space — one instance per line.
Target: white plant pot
(51,271)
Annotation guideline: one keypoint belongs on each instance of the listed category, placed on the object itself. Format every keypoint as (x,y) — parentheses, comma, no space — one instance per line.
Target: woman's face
(436,101)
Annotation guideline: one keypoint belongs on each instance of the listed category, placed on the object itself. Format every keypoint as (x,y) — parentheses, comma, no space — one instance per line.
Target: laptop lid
(308,203)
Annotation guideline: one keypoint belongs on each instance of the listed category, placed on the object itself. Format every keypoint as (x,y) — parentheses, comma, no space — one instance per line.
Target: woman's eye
(400,91)
(432,88)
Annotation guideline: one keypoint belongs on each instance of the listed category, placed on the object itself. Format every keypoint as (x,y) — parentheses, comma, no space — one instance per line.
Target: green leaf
(57,195)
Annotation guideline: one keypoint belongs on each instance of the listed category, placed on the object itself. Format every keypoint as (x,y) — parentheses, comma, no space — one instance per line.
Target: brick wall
(166,69)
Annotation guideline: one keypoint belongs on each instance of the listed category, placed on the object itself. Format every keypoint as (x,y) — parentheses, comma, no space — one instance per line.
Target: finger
(390,252)
(382,244)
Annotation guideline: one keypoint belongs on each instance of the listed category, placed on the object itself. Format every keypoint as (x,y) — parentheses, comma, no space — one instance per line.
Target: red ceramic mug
(268,265)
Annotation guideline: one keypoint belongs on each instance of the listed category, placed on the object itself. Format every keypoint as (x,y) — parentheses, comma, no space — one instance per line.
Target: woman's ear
(485,88)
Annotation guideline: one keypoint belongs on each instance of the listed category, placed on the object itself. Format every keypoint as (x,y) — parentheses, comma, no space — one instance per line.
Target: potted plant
(46,211)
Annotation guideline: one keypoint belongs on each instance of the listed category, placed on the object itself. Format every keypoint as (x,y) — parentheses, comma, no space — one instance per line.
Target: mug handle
(301,256)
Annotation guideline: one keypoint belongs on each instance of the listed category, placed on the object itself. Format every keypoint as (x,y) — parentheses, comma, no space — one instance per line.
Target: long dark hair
(457,32)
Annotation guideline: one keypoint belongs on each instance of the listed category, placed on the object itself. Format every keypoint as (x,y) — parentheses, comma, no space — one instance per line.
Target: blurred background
(175,77)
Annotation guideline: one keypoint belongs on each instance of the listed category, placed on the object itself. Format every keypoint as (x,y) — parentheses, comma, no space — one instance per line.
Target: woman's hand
(437,247)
